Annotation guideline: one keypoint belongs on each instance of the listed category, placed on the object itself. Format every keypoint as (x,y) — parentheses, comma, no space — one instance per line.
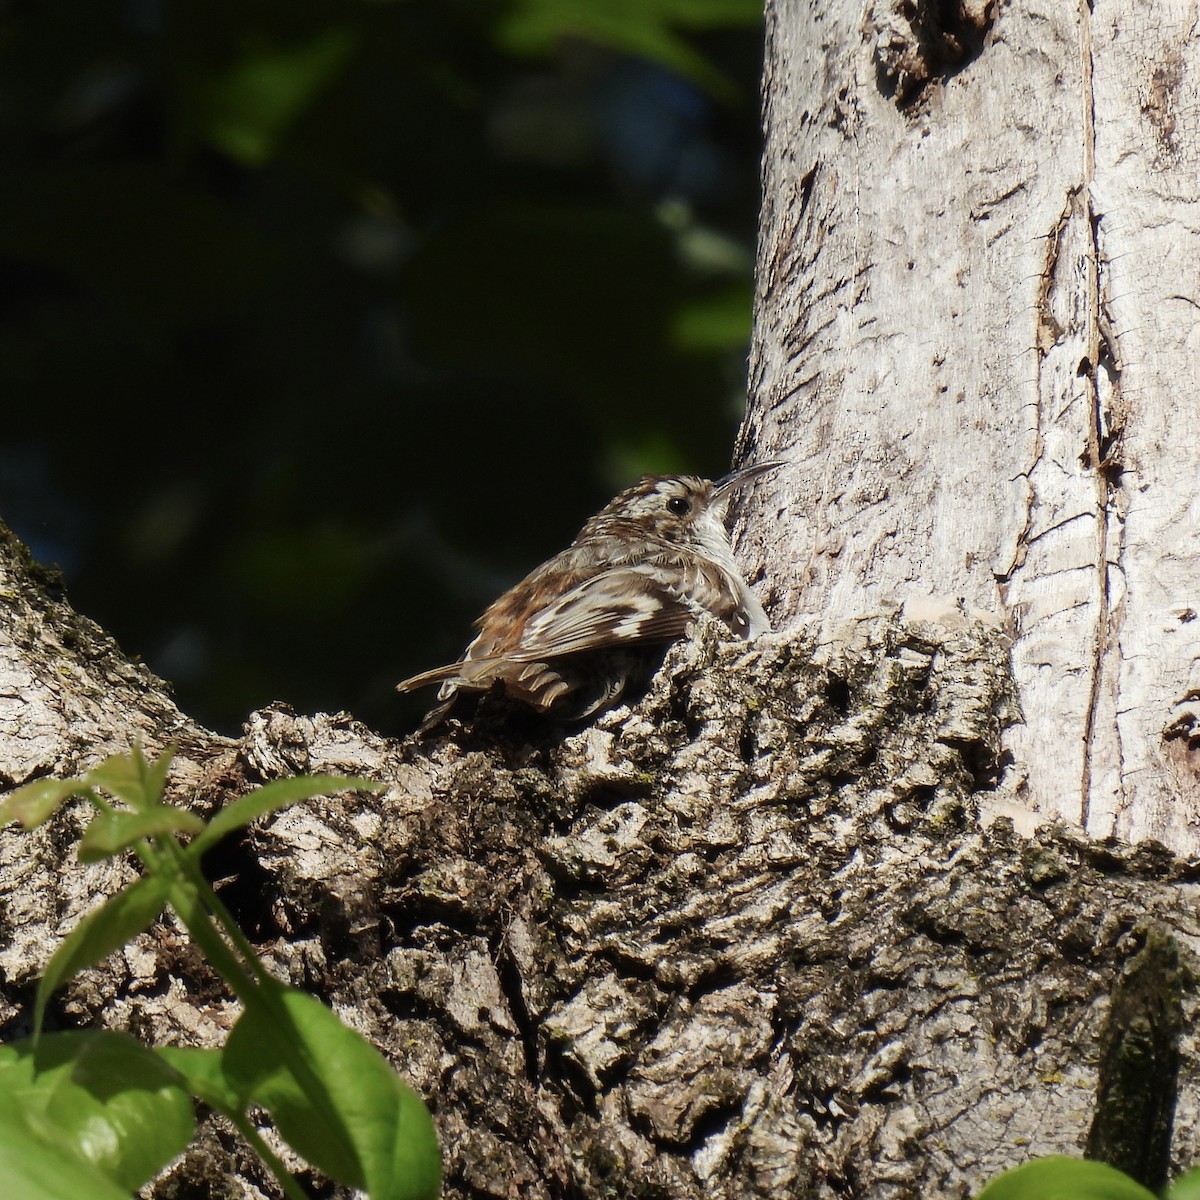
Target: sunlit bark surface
(977,342)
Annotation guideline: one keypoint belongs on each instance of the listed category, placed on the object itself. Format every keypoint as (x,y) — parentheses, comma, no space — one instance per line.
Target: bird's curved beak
(724,487)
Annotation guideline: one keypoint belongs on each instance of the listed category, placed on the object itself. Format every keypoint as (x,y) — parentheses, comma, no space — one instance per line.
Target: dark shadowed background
(322,321)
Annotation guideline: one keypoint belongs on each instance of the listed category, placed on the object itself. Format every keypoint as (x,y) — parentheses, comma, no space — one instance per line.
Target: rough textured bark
(977,304)
(745,939)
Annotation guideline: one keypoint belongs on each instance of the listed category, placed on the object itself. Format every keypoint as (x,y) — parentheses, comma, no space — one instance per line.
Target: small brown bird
(635,578)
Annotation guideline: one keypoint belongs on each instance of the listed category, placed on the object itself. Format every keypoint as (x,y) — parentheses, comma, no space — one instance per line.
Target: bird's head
(682,509)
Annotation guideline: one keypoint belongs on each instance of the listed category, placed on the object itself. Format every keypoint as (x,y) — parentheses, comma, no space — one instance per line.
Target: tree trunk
(976,343)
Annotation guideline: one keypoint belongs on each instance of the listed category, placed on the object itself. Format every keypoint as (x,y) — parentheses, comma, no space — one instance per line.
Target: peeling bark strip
(975,342)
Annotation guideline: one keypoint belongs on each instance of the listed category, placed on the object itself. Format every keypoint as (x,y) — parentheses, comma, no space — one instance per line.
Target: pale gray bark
(977,344)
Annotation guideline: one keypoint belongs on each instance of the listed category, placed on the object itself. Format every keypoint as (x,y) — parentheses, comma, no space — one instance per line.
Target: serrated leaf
(102,931)
(1060,1178)
(102,1098)
(112,832)
(334,1098)
(37,801)
(280,793)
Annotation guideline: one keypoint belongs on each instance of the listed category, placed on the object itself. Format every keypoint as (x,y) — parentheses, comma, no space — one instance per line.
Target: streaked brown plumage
(637,576)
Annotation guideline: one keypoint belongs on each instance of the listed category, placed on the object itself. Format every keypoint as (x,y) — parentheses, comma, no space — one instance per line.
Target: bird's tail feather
(437,675)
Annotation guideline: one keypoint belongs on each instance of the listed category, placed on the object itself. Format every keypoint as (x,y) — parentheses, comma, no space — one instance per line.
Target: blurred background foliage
(322,321)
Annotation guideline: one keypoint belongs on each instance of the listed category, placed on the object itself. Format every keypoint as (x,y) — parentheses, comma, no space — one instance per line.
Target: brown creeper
(637,576)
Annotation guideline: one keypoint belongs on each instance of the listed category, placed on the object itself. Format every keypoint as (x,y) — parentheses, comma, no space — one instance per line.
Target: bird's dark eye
(679,506)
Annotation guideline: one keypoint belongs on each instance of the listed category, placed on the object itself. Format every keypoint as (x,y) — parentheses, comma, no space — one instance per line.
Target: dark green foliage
(324,321)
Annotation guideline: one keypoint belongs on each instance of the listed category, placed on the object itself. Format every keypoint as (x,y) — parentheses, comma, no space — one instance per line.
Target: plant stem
(274,1163)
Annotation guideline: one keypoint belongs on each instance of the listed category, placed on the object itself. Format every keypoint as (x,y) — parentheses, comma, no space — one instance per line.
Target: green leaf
(644,27)
(127,776)
(250,108)
(110,833)
(36,801)
(102,931)
(334,1098)
(131,778)
(154,775)
(102,1098)
(119,776)
(36,1170)
(273,796)
(203,1073)
(1186,1187)
(1059,1178)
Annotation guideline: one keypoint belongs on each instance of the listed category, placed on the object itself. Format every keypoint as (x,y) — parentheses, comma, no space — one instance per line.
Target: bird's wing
(619,607)
(631,604)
